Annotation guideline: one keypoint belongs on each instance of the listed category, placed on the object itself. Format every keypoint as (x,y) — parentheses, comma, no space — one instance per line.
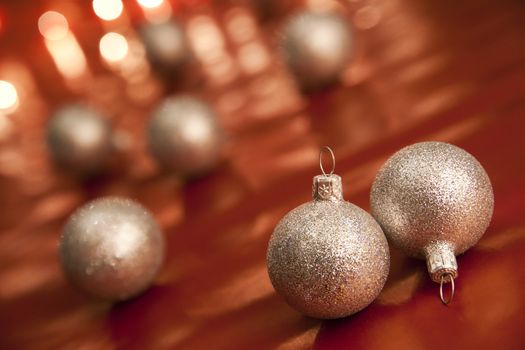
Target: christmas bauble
(328,258)
(79,138)
(166,46)
(184,135)
(317,48)
(433,201)
(111,248)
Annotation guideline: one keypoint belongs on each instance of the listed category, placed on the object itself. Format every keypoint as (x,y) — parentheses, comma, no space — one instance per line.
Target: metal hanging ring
(453,288)
(321,159)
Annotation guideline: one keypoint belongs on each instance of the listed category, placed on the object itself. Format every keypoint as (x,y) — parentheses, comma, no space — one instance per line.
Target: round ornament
(317,48)
(79,138)
(166,46)
(434,201)
(111,248)
(184,135)
(328,258)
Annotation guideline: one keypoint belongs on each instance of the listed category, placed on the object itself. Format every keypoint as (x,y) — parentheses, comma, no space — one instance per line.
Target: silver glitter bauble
(328,258)
(79,138)
(184,135)
(317,48)
(166,46)
(111,248)
(433,201)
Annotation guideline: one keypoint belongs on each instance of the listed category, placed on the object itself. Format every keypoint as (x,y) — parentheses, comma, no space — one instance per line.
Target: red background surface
(423,70)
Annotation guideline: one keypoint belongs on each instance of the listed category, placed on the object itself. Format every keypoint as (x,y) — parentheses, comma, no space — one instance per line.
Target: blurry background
(420,70)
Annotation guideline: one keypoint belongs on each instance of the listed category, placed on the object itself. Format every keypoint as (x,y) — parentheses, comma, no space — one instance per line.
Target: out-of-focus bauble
(166,46)
(79,138)
(111,248)
(317,47)
(434,201)
(328,258)
(184,135)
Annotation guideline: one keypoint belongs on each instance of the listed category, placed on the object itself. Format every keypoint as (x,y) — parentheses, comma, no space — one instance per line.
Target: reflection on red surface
(422,70)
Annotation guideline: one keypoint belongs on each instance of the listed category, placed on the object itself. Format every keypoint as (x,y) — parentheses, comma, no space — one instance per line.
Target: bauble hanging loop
(328,258)
(321,160)
(447,277)
(434,201)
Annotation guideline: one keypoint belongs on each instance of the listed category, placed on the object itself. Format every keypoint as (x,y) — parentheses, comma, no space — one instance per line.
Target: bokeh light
(53,25)
(150,3)
(108,10)
(113,47)
(8,96)
(68,56)
(241,25)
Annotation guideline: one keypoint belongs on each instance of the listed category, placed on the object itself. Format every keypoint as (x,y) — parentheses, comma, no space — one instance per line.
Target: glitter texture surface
(328,258)
(111,248)
(431,193)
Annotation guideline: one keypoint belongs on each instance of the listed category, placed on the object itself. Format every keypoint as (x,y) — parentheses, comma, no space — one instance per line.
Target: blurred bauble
(184,135)
(328,258)
(79,138)
(317,48)
(166,46)
(111,248)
